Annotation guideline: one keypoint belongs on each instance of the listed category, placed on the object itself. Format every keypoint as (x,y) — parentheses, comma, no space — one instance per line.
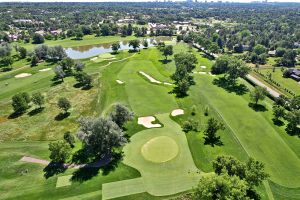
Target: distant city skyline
(235,1)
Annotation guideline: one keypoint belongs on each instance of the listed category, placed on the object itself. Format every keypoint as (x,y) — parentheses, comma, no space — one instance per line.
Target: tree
(38,99)
(293,118)
(79,66)
(41,51)
(83,79)
(121,115)
(60,151)
(134,44)
(37,38)
(220,187)
(34,60)
(78,34)
(56,53)
(221,65)
(69,138)
(20,102)
(259,49)
(105,30)
(59,73)
(211,130)
(289,58)
(259,93)
(252,171)
(188,60)
(67,64)
(295,103)
(182,86)
(145,43)
(115,47)
(278,112)
(7,61)
(100,136)
(236,68)
(64,104)
(22,52)
(5,49)
(167,51)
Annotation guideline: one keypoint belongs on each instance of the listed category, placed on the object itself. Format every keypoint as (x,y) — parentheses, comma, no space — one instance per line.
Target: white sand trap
(147,122)
(93,59)
(177,112)
(166,83)
(23,75)
(151,79)
(203,67)
(120,82)
(202,73)
(44,70)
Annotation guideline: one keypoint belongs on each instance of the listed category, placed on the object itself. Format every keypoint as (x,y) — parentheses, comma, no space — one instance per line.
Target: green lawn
(247,133)
(86,40)
(288,83)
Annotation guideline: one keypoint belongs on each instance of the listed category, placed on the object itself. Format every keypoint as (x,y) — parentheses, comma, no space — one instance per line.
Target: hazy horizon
(235,1)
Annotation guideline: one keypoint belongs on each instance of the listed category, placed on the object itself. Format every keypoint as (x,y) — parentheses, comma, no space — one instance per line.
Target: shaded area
(239,89)
(62,116)
(215,141)
(36,111)
(257,107)
(53,169)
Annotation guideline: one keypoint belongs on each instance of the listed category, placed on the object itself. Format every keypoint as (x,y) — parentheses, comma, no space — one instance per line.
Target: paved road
(259,83)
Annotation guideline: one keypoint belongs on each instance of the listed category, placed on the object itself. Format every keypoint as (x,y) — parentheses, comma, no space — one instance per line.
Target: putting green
(160,149)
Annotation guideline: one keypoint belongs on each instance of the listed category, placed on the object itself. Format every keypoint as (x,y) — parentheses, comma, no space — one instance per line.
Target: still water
(87,51)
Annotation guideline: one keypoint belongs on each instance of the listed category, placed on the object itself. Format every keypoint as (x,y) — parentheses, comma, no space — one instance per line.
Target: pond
(87,51)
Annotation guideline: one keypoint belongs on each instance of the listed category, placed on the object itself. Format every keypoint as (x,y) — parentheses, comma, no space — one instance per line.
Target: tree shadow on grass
(90,170)
(62,116)
(213,141)
(53,169)
(15,115)
(80,157)
(228,86)
(257,107)
(164,61)
(35,111)
(278,122)
(292,130)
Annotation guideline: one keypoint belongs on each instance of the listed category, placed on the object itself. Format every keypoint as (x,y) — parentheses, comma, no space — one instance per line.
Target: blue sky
(245,1)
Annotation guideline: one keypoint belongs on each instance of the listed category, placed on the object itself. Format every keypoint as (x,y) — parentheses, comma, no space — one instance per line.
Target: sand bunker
(203,67)
(177,112)
(120,82)
(147,122)
(199,72)
(23,75)
(93,59)
(166,83)
(44,70)
(151,79)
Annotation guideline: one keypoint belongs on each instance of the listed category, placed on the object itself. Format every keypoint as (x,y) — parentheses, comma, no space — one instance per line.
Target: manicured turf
(160,149)
(246,131)
(87,40)
(257,136)
(287,83)
(63,181)
(176,175)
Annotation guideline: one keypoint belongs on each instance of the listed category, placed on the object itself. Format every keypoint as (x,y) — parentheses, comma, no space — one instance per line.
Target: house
(295,74)
(272,53)
(246,47)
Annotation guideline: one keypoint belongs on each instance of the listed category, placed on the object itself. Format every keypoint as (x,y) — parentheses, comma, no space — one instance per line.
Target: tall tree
(38,99)
(60,151)
(121,115)
(167,51)
(100,136)
(115,47)
(20,102)
(134,44)
(211,130)
(64,104)
(259,93)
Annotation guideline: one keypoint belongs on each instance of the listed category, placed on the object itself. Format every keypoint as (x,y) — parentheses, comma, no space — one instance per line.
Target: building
(272,53)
